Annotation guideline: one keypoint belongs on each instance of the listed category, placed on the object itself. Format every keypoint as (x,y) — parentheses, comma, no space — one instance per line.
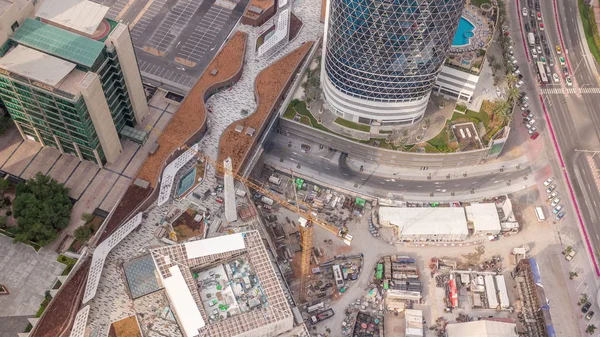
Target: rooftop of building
(58,42)
(82,16)
(426,220)
(5,4)
(36,65)
(222,286)
(483,328)
(484,216)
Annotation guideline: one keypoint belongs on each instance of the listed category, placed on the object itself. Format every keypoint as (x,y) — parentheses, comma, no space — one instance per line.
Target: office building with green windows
(69,78)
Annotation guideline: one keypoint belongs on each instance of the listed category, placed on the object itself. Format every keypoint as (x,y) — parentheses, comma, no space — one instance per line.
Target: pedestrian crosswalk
(567,91)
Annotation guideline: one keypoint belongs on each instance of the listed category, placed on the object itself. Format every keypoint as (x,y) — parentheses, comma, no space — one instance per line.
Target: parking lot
(175,40)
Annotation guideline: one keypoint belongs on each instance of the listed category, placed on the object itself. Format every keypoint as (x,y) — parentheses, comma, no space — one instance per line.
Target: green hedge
(352,125)
(590,29)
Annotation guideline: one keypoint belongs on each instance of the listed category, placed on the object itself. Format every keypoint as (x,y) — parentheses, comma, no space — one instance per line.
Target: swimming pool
(186,182)
(463,33)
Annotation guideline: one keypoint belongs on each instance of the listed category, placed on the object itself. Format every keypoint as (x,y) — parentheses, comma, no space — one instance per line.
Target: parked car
(532,130)
(557,209)
(555,202)
(589,316)
(569,81)
(524,107)
(534,136)
(526,112)
(548,181)
(552,195)
(586,307)
(529,126)
(560,216)
(519,84)
(550,188)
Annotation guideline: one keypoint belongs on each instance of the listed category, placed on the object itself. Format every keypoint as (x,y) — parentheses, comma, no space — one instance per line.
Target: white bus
(539,213)
(542,72)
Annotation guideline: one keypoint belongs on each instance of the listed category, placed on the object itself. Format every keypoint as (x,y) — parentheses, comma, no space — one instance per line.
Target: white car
(532,121)
(552,195)
(556,78)
(517,72)
(557,209)
(539,49)
(550,189)
(532,130)
(533,53)
(569,81)
(548,181)
(525,12)
(555,202)
(519,84)
(529,125)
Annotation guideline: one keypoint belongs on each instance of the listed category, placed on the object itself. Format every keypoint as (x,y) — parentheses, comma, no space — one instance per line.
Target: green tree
(4,186)
(83,233)
(503,111)
(42,207)
(3,220)
(590,329)
(512,95)
(87,217)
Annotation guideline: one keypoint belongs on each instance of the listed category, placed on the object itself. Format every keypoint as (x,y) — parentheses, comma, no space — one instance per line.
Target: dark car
(530,3)
(586,307)
(534,136)
(537,39)
(533,23)
(543,37)
(566,71)
(589,316)
(560,216)
(520,76)
(547,50)
(527,28)
(537,6)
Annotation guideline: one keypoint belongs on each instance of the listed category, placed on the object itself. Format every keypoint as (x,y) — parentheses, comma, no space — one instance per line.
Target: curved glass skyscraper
(382,57)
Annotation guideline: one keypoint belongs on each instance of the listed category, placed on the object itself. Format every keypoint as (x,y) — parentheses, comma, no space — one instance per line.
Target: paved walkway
(27,275)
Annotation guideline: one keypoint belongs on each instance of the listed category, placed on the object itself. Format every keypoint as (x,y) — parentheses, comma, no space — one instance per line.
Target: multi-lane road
(574,116)
(334,168)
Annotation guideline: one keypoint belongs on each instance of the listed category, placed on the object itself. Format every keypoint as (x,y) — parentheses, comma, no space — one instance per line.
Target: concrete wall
(13,13)
(121,40)
(94,98)
(389,157)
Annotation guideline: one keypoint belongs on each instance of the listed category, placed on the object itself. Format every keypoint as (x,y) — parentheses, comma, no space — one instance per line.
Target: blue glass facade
(388,51)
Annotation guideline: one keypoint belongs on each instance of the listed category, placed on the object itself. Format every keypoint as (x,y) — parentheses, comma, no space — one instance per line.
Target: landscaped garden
(589,27)
(488,118)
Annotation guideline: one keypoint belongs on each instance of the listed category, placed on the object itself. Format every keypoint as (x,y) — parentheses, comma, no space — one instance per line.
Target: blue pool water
(463,33)
(186,182)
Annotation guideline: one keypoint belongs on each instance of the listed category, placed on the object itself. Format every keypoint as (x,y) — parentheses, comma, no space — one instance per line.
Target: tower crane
(308,219)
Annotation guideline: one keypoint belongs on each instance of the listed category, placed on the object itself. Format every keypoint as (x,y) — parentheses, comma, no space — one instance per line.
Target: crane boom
(306,222)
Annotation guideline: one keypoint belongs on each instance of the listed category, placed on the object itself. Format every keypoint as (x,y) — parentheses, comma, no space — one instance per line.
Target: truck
(531,39)
(323,315)
(267,201)
(570,255)
(275,180)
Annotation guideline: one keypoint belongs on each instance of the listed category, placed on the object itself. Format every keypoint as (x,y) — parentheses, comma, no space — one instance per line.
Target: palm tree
(503,110)
(590,329)
(512,94)
(511,80)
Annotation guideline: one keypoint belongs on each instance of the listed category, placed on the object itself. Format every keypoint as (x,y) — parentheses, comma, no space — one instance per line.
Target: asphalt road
(576,118)
(333,167)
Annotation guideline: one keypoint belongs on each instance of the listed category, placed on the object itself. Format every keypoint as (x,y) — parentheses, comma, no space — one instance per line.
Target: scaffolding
(534,314)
